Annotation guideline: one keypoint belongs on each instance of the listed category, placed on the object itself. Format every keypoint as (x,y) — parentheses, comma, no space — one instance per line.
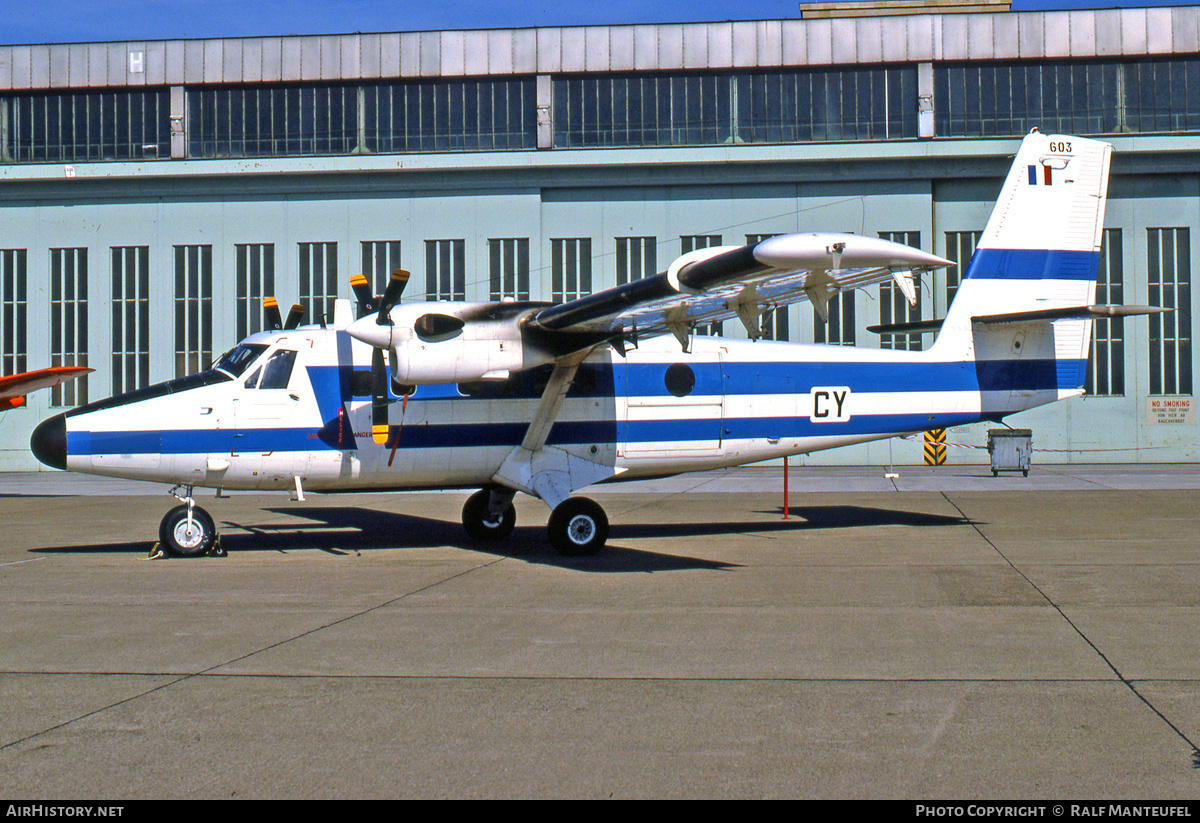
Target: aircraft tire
(578,527)
(175,537)
(475,519)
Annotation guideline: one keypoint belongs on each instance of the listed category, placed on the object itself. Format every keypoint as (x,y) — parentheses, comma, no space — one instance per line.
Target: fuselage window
(680,379)
(360,383)
(585,380)
(278,370)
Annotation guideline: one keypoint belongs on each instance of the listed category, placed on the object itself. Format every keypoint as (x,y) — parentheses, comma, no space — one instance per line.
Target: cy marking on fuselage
(829,404)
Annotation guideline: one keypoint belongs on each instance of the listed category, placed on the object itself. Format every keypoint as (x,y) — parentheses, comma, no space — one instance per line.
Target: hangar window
(445,270)
(75,127)
(960,245)
(1084,97)
(570,268)
(130,318)
(333,118)
(255,264)
(637,257)
(1169,274)
(379,259)
(13,311)
(256,121)
(508,276)
(839,328)
(68,321)
(318,279)
(894,306)
(450,115)
(1106,365)
(193,308)
(774,323)
(761,106)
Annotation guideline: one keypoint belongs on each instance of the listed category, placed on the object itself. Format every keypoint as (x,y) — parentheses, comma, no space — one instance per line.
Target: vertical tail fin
(1039,251)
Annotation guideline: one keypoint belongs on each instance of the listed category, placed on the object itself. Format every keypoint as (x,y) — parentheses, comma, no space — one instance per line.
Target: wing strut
(545,471)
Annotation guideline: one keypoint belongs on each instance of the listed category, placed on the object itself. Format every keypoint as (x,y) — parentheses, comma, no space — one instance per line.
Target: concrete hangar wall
(152,192)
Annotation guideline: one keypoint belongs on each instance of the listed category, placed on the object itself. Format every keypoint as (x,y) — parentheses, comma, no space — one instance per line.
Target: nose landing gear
(188,530)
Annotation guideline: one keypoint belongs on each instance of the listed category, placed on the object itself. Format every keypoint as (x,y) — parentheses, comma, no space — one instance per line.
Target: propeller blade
(362,293)
(391,295)
(271,310)
(294,317)
(379,398)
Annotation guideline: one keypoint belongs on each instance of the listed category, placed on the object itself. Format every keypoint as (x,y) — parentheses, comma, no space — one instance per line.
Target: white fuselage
(656,411)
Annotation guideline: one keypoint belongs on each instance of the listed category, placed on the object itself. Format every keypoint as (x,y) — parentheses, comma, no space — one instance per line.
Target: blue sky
(68,21)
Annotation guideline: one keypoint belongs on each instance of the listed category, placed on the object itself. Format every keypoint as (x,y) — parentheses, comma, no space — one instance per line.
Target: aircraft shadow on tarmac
(346,529)
(845,517)
(349,528)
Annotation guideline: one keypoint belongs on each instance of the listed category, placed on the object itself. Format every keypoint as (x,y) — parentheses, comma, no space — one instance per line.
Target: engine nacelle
(451,342)
(458,360)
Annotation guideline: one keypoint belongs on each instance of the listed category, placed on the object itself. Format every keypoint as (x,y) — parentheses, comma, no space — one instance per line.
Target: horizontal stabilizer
(916,327)
(1068,313)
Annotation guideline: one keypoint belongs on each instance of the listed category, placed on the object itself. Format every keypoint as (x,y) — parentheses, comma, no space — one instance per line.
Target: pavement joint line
(1128,683)
(209,672)
(704,480)
(1084,479)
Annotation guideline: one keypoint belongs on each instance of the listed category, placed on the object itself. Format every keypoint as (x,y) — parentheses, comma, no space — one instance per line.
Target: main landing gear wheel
(481,524)
(577,527)
(187,538)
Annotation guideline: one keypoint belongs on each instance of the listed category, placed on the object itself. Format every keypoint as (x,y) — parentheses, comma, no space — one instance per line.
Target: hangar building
(151,193)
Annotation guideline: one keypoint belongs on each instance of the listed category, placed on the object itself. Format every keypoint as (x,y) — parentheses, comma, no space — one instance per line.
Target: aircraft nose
(49,441)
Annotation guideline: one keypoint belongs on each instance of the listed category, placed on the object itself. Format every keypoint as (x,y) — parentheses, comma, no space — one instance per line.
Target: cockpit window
(234,362)
(278,370)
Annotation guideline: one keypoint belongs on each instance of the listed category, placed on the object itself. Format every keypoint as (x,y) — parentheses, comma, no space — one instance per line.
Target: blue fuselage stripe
(474,435)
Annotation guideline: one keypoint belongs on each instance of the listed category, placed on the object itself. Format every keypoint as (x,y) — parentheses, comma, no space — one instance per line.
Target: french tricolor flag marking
(1033,175)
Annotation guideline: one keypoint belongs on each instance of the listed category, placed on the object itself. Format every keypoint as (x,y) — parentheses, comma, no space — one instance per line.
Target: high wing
(14,387)
(461,342)
(714,284)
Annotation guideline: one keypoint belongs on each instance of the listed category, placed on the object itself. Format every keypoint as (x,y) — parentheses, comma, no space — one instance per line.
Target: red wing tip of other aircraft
(14,387)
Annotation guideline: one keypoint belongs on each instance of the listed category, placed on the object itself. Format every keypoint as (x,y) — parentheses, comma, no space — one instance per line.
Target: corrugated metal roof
(554,50)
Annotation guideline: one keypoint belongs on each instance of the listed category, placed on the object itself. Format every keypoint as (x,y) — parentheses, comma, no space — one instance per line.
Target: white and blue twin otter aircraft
(546,399)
